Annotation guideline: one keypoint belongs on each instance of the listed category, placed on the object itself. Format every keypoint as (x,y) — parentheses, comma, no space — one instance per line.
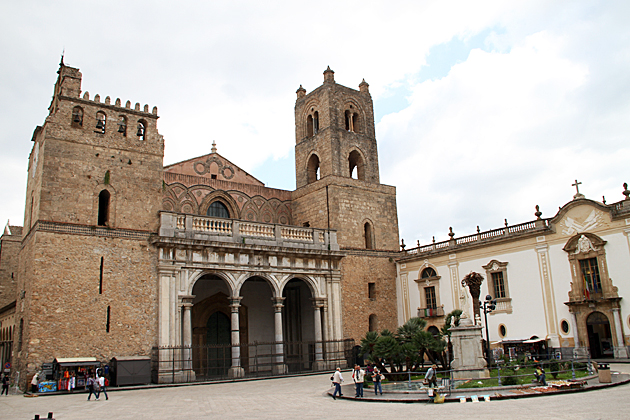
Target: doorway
(599,336)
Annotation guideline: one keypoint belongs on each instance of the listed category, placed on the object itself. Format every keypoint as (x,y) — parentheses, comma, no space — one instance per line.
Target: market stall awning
(77,361)
(531,340)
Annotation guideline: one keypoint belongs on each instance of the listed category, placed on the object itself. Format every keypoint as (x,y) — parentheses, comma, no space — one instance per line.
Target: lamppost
(488,306)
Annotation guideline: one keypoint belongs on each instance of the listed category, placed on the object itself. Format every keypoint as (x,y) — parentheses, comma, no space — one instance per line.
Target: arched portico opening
(211,327)
(302,322)
(599,336)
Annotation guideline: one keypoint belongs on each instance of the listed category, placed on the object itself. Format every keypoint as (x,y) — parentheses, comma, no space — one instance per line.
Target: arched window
(373,323)
(348,118)
(355,161)
(142,130)
(77,116)
(103,208)
(368,234)
(101,122)
(435,332)
(428,272)
(122,125)
(315,122)
(312,169)
(309,126)
(218,209)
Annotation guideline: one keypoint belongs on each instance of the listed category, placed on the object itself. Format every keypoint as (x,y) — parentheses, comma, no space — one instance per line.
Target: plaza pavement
(305,398)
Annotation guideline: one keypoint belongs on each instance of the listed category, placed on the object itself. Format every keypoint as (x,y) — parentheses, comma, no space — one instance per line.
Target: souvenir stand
(71,373)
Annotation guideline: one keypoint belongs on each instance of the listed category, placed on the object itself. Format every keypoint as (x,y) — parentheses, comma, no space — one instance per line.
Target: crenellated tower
(87,281)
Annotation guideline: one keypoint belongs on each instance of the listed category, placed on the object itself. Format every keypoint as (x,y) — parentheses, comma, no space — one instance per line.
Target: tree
(405,350)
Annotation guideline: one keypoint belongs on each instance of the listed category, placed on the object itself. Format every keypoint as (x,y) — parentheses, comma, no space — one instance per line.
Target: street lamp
(488,306)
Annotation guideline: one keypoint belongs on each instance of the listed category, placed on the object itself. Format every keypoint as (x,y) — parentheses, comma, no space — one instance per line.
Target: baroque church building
(198,264)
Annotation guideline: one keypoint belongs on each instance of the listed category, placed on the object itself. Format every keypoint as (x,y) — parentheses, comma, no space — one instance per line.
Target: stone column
(236,371)
(317,315)
(621,351)
(279,367)
(578,350)
(187,306)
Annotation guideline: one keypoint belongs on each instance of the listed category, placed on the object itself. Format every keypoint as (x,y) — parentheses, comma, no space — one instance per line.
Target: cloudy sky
(483,108)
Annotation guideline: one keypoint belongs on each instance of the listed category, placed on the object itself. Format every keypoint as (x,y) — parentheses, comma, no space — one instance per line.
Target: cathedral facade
(122,256)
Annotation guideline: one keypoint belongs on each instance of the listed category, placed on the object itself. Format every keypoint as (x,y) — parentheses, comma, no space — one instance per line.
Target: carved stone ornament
(584,245)
(204,167)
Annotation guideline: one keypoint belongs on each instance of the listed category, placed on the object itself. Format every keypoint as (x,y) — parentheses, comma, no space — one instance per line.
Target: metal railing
(215,362)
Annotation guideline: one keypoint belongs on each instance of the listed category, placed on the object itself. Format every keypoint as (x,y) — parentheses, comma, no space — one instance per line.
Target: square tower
(338,187)
(87,283)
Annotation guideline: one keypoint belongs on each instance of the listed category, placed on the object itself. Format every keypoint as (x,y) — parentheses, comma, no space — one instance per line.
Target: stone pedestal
(236,372)
(468,351)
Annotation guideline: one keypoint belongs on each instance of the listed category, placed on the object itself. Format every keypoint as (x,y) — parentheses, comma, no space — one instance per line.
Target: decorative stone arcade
(222,265)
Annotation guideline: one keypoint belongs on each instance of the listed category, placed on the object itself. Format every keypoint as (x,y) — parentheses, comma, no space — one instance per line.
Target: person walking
(103,385)
(358,375)
(337,380)
(431,377)
(93,387)
(5,385)
(376,378)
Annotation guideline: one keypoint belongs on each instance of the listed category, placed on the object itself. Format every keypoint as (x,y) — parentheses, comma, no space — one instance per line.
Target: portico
(231,283)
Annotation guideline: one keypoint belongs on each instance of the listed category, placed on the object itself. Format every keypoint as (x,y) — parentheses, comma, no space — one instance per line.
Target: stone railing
(188,226)
(481,237)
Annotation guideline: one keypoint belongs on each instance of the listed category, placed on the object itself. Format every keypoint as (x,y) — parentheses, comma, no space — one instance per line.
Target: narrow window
(122,125)
(312,169)
(218,209)
(100,282)
(372,290)
(590,274)
(309,126)
(373,323)
(499,285)
(429,295)
(20,334)
(367,232)
(101,122)
(77,117)
(316,122)
(103,208)
(348,121)
(108,315)
(142,130)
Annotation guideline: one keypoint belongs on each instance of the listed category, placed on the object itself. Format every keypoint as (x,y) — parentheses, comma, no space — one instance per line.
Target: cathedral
(206,272)
(198,265)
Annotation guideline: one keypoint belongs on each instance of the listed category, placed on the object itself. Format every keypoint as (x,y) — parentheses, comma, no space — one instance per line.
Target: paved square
(303,398)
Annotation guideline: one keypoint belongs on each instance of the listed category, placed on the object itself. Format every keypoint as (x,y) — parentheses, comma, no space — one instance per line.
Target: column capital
(278,303)
(235,301)
(318,303)
(187,299)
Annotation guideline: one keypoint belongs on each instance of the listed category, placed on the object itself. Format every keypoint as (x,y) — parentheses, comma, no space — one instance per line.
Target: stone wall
(356,272)
(65,302)
(9,249)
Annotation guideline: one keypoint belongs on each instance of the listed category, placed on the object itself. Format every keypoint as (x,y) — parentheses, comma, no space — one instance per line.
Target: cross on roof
(577,189)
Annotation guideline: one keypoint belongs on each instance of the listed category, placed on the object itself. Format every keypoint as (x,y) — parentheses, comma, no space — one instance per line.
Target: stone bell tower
(87,284)
(338,187)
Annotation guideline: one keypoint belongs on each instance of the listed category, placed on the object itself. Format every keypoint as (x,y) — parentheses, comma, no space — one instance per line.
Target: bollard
(50,415)
(409,380)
